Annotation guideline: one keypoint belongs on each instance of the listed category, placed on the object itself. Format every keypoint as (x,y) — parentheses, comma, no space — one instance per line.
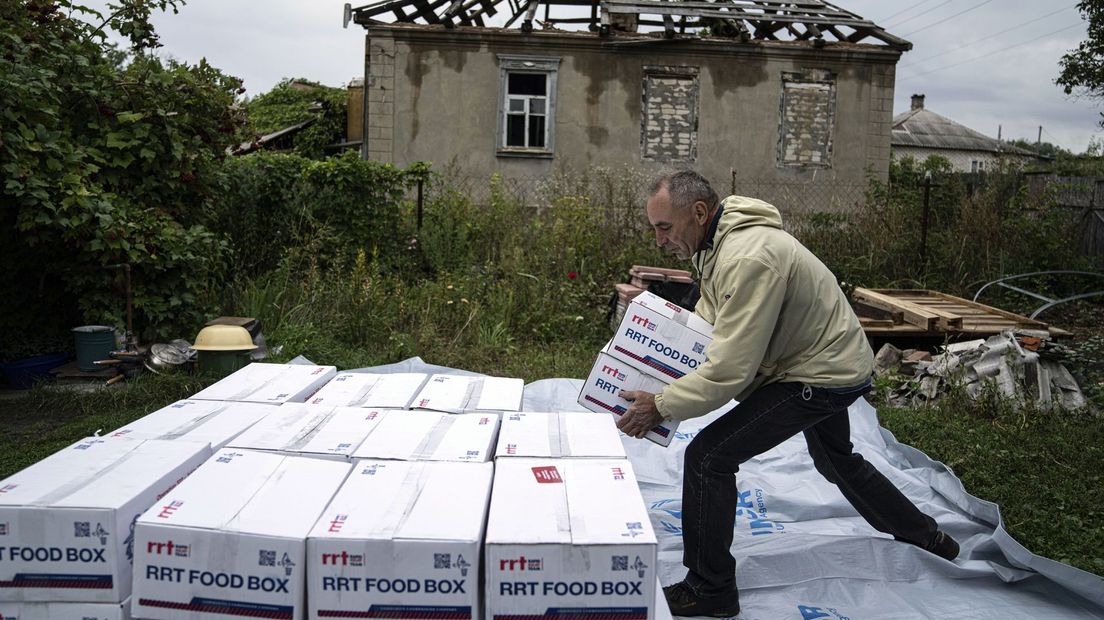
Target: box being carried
(310,430)
(574,434)
(273,384)
(661,338)
(460,393)
(608,378)
(401,540)
(378,391)
(65,522)
(231,540)
(597,558)
(205,421)
(431,436)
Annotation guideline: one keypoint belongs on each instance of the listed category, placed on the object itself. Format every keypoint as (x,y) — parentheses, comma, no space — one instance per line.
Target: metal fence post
(924,223)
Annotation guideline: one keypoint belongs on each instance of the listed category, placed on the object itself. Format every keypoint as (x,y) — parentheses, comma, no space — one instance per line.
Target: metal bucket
(93,343)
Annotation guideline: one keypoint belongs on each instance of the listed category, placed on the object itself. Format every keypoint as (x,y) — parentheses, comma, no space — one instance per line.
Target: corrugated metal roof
(924,128)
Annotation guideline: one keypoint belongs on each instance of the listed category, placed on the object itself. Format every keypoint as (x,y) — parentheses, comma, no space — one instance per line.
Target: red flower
(571,275)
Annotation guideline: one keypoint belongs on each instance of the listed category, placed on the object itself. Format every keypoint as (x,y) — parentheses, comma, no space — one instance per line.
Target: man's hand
(642,415)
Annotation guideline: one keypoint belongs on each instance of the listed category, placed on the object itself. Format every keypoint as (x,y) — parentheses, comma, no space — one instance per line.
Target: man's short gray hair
(685,187)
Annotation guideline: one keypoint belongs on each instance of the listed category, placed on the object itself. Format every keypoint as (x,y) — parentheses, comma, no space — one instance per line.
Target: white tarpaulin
(803,552)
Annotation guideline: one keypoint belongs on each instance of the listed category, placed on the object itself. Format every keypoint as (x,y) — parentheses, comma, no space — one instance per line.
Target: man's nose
(660,240)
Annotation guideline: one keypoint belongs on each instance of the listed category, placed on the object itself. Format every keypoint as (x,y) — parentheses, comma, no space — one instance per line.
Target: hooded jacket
(777,314)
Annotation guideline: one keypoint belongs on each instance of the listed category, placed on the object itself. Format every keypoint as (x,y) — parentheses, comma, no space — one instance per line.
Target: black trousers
(769,416)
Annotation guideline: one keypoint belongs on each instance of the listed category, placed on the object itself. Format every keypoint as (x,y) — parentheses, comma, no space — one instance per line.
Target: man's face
(678,231)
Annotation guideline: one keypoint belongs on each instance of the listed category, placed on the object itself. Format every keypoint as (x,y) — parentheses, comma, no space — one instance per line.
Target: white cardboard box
(310,430)
(401,540)
(270,383)
(598,556)
(660,337)
(607,378)
(431,436)
(231,540)
(205,421)
(66,522)
(559,434)
(459,394)
(65,611)
(378,391)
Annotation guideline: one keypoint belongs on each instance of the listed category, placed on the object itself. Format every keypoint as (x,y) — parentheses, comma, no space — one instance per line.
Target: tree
(107,156)
(1082,69)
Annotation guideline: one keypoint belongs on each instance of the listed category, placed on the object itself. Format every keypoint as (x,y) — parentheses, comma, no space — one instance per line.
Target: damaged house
(782,93)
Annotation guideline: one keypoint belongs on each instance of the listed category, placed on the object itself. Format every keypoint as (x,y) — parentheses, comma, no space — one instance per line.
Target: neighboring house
(783,94)
(920,133)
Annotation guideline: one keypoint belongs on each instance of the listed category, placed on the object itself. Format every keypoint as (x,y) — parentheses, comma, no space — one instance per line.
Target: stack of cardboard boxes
(223,507)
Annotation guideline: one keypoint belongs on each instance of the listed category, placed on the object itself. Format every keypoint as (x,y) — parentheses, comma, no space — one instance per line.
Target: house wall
(432,95)
(961,161)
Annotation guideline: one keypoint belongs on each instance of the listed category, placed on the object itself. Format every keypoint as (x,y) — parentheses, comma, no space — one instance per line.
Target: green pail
(94,343)
(223,362)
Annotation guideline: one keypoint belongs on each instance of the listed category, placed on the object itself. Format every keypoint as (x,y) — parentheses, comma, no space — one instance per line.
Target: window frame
(547,65)
(819,79)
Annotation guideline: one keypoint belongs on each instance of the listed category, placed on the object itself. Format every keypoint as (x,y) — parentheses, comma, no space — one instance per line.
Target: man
(788,347)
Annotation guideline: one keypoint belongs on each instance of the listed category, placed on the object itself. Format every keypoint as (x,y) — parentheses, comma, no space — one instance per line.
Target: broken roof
(923,128)
(764,20)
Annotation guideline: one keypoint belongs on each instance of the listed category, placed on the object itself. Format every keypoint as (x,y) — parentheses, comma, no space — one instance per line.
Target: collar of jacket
(705,253)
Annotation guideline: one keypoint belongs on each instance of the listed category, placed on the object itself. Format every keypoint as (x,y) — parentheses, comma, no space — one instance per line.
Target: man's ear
(701,212)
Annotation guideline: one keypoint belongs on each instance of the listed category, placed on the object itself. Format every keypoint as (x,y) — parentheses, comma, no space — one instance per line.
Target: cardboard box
(66,522)
(310,430)
(660,337)
(205,421)
(401,540)
(230,541)
(459,394)
(598,557)
(270,383)
(431,436)
(565,434)
(378,391)
(607,378)
(65,611)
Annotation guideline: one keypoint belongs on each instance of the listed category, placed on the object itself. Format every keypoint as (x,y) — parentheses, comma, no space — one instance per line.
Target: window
(807,118)
(527,105)
(669,121)
(977,166)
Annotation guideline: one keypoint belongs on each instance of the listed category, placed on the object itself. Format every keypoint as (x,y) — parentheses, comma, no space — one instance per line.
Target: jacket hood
(741,212)
(737,213)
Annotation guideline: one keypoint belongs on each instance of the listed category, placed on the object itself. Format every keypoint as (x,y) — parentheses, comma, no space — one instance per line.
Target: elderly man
(788,347)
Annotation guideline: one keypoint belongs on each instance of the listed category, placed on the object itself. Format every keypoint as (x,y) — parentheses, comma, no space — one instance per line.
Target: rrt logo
(168,548)
(614,372)
(484,421)
(423,403)
(618,473)
(547,474)
(343,559)
(511,448)
(7,488)
(643,320)
(809,612)
(372,415)
(169,509)
(521,563)
(337,523)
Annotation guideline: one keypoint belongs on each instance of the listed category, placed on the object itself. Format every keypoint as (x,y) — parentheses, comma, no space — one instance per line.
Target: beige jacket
(777,314)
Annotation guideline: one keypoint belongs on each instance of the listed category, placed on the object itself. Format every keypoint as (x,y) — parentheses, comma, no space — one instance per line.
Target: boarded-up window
(808,114)
(669,121)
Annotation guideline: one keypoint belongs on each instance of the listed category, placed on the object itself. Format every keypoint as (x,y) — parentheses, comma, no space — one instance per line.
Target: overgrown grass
(1043,470)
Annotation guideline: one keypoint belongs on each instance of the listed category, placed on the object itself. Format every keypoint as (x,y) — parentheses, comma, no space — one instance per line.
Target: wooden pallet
(920,312)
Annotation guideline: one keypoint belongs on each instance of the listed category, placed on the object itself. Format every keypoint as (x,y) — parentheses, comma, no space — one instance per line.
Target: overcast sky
(983,63)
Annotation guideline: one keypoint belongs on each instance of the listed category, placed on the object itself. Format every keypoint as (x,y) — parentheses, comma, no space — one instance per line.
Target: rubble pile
(1023,365)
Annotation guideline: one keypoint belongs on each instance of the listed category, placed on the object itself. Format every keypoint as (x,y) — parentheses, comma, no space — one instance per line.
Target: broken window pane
(528,84)
(515,130)
(536,131)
